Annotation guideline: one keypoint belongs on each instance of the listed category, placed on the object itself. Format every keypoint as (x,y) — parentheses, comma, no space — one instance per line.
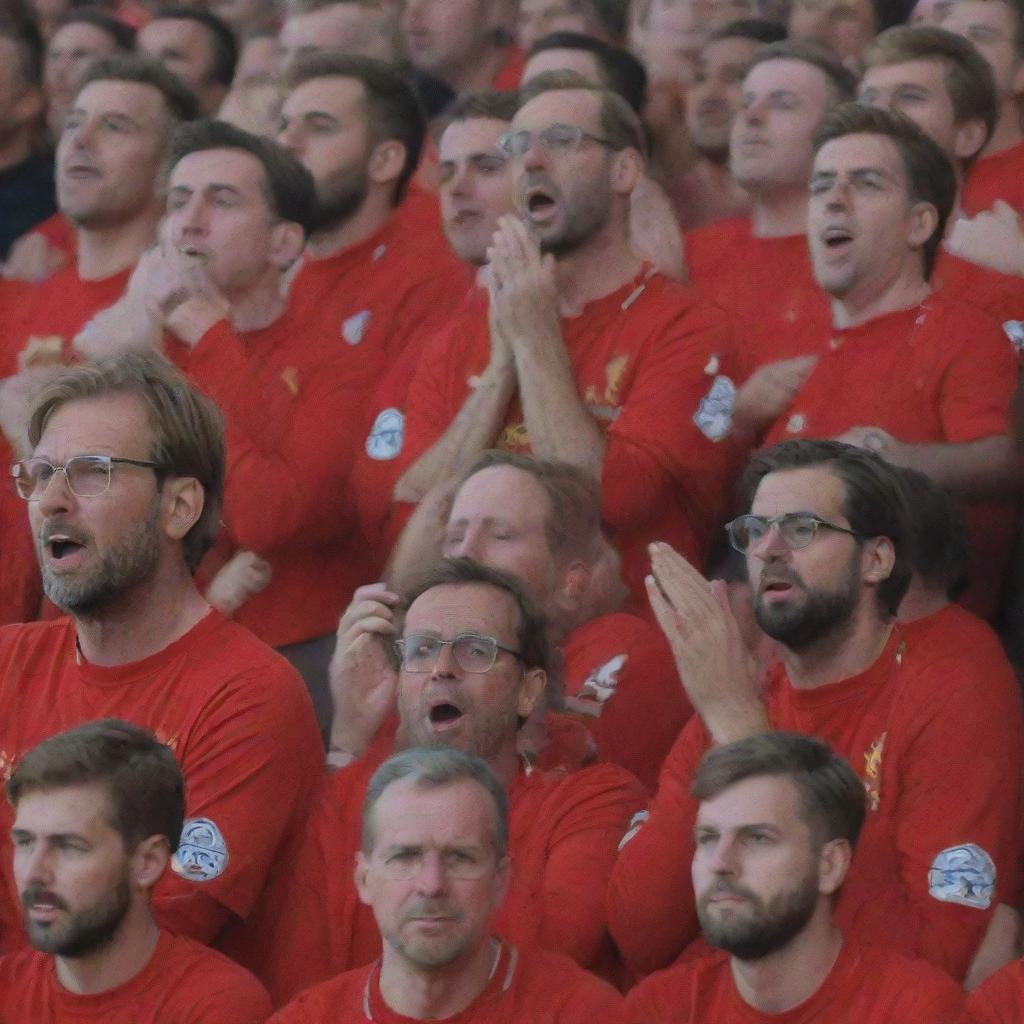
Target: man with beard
(124,488)
(777,824)
(434,867)
(825,543)
(98,813)
(370,274)
(586,355)
(474,657)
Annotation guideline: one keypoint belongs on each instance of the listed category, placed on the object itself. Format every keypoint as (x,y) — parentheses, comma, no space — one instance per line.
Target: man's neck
(905,289)
(779,213)
(146,620)
(1008,131)
(374,212)
(845,652)
(477,75)
(920,601)
(104,251)
(438,993)
(117,963)
(259,306)
(790,976)
(597,268)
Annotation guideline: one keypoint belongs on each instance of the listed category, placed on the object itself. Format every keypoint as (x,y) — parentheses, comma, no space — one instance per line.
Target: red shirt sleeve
(288,453)
(1000,1000)
(251,770)
(651,909)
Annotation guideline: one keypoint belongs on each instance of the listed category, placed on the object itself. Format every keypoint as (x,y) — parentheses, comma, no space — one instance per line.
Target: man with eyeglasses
(473,658)
(587,355)
(825,543)
(124,486)
(434,867)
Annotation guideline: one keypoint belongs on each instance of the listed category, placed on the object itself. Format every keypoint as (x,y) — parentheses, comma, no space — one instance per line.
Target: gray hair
(434,768)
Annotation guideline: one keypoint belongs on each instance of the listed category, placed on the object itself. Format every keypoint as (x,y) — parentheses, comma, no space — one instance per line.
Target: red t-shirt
(239,721)
(563,834)
(1000,999)
(999,176)
(293,408)
(527,987)
(866,986)
(646,359)
(183,983)
(59,233)
(766,284)
(399,284)
(511,72)
(941,372)
(939,846)
(621,682)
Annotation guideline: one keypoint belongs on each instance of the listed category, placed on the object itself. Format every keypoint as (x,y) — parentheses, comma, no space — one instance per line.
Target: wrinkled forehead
(232,168)
(453,608)
(861,151)
(560,106)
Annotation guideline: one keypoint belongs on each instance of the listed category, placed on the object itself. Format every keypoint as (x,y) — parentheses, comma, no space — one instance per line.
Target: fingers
(375,592)
(683,586)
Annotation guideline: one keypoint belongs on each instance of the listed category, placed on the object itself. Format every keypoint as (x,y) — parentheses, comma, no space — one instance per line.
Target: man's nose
(56,496)
(445,666)
(431,878)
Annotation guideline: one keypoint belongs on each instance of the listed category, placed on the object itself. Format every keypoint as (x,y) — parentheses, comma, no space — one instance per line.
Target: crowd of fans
(513,511)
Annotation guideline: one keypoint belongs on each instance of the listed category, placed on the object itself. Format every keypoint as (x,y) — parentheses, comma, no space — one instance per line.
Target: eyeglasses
(460,864)
(88,476)
(797,529)
(555,139)
(419,652)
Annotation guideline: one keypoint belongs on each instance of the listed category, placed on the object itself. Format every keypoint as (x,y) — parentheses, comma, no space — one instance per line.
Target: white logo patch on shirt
(636,823)
(202,853)
(386,435)
(1015,332)
(353,329)
(796,423)
(963,874)
(714,414)
(602,681)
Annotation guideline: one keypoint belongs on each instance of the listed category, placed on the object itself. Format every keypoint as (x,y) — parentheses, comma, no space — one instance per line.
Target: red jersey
(239,721)
(939,845)
(866,986)
(59,234)
(563,834)
(183,983)
(941,372)
(22,590)
(646,360)
(511,73)
(1000,999)
(380,293)
(527,987)
(998,176)
(621,682)
(293,409)
(766,284)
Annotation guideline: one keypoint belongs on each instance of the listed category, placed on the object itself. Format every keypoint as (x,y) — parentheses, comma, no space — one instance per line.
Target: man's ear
(530,690)
(359,875)
(148,861)
(924,219)
(387,160)
(575,582)
(970,138)
(183,502)
(627,170)
(287,240)
(833,864)
(878,559)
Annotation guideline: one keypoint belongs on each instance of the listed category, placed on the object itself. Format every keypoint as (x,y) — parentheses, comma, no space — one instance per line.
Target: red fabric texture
(866,986)
(911,725)
(183,983)
(1000,999)
(999,176)
(237,717)
(528,987)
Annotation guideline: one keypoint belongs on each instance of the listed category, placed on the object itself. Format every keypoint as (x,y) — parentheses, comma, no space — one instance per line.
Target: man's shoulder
(237,651)
(900,982)
(26,640)
(611,630)
(553,979)
(205,968)
(678,985)
(337,1001)
(549,796)
(21,966)
(713,240)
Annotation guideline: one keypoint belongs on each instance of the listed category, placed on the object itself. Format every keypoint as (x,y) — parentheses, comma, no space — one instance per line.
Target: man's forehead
(407,813)
(569,106)
(472,136)
(81,33)
(458,606)
(964,12)
(760,799)
(166,30)
(727,51)
(109,96)
(925,72)
(105,421)
(68,809)
(796,76)
(806,489)
(223,166)
(861,151)
(331,93)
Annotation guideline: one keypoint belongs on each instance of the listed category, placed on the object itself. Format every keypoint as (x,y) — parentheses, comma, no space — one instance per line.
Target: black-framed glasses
(797,529)
(88,476)
(472,653)
(556,138)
